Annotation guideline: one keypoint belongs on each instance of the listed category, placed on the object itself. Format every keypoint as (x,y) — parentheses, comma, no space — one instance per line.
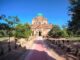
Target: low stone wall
(6,47)
(70,48)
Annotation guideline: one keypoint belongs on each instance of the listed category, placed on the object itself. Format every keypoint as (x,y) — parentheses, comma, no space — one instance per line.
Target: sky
(56,11)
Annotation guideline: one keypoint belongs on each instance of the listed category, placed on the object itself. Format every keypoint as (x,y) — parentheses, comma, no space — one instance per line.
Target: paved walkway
(39,51)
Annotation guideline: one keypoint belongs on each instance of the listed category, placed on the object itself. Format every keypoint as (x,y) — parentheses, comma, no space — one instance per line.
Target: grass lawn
(4,38)
(73,38)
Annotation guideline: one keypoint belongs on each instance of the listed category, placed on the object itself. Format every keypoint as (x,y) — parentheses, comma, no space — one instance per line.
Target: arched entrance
(39,33)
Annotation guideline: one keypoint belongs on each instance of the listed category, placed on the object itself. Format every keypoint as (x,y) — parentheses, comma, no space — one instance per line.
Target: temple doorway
(39,33)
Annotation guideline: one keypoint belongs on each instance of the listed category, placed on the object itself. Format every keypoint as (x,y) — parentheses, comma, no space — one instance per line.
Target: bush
(23,31)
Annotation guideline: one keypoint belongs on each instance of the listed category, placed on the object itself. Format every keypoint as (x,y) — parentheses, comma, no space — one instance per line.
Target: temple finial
(39,14)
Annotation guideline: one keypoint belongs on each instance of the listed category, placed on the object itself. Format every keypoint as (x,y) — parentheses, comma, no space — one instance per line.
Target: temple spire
(39,14)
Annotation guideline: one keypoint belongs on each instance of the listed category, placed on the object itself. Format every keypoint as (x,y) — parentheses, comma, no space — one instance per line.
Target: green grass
(73,38)
(4,38)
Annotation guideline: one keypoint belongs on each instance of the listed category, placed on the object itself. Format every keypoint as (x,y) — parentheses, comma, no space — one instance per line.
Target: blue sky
(56,11)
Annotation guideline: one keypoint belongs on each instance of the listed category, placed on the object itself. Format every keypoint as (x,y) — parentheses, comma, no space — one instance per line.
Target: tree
(23,31)
(74,23)
(3,26)
(3,29)
(28,30)
(10,21)
(65,32)
(55,31)
(2,17)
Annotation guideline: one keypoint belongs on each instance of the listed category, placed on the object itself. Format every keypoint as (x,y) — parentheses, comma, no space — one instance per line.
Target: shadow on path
(21,53)
(38,55)
(10,51)
(38,52)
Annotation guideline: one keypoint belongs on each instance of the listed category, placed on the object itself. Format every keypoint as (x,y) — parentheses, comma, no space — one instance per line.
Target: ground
(39,51)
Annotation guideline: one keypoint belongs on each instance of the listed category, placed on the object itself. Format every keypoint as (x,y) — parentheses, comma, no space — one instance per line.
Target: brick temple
(40,26)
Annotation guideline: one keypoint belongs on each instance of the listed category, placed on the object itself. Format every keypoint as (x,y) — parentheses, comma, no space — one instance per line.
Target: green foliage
(2,17)
(3,29)
(27,34)
(23,31)
(5,33)
(1,33)
(74,23)
(56,32)
(65,33)
(9,24)
(4,26)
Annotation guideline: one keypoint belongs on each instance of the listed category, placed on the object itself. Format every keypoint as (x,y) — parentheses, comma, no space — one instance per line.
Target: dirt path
(39,51)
